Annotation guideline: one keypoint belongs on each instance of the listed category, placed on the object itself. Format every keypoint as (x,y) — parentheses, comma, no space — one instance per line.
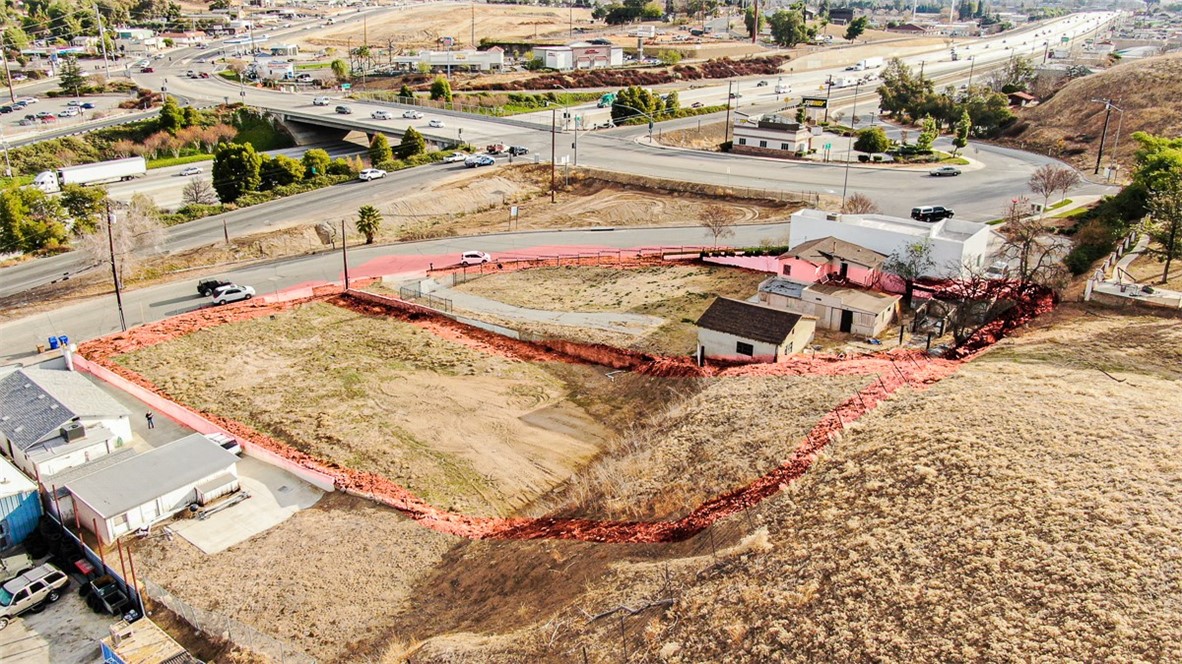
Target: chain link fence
(217,626)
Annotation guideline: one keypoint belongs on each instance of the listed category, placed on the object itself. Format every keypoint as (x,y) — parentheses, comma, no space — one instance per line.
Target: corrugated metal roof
(36,402)
(749,321)
(823,249)
(785,287)
(871,302)
(68,475)
(145,477)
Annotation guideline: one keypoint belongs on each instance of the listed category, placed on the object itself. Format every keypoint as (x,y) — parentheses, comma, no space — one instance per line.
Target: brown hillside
(1068,126)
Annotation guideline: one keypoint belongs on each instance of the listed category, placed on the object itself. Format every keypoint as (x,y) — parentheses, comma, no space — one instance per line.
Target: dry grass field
(677,293)
(422,26)
(476,432)
(1027,508)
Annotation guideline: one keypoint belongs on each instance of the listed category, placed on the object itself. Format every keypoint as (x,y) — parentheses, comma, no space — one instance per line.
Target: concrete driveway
(275,495)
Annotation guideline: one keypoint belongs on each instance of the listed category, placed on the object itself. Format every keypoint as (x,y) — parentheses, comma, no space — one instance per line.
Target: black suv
(930,213)
(518,150)
(206,287)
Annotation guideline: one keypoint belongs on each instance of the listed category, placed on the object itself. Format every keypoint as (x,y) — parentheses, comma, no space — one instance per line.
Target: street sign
(346,86)
(814,102)
(1064,39)
(513,211)
(447,41)
(828,146)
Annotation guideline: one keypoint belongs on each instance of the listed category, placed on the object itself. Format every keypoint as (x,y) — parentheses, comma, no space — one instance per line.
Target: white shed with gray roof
(155,485)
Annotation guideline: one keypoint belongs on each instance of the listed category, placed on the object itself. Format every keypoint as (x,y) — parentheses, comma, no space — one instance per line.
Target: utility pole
(726,136)
(755,23)
(8,164)
(553,150)
(114,269)
(1104,133)
(972,63)
(345,252)
(7,74)
(828,93)
(473,25)
(102,40)
(849,152)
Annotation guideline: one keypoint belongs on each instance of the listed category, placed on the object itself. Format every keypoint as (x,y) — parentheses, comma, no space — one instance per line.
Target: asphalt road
(99,316)
(979,194)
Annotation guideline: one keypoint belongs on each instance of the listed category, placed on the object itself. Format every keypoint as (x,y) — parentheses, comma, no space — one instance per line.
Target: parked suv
(518,150)
(930,213)
(206,287)
(42,584)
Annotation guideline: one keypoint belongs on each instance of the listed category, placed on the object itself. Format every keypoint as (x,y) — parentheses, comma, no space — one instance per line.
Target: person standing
(151,421)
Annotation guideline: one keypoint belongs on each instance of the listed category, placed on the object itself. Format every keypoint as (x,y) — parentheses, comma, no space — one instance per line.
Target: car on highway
(735,95)
(344,110)
(412,115)
(438,124)
(371,174)
(190,170)
(320,101)
(147,70)
(931,213)
(203,74)
(697,104)
(232,293)
(87,105)
(206,287)
(941,171)
(382,115)
(457,157)
(191,74)
(761,84)
(474,258)
(31,589)
(478,160)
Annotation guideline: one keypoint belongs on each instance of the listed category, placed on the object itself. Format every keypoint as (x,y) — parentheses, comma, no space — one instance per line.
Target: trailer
(116,170)
(868,63)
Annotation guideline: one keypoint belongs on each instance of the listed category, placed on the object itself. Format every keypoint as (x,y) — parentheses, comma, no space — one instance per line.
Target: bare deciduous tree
(1028,241)
(1049,179)
(137,234)
(199,192)
(719,221)
(860,203)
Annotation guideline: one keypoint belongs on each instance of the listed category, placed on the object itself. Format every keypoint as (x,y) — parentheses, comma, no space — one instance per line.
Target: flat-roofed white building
(954,242)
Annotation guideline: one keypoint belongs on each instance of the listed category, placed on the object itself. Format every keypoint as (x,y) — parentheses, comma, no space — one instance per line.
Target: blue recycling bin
(63,341)
(53,343)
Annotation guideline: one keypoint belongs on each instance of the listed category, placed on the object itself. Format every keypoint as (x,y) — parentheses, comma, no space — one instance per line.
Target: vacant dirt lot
(1025,508)
(465,430)
(677,293)
(424,25)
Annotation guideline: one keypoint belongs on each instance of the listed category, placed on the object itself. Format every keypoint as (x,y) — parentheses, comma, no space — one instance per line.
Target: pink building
(828,258)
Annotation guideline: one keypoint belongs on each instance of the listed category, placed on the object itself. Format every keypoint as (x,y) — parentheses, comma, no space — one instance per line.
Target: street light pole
(828,93)
(345,252)
(726,136)
(553,165)
(1104,132)
(972,63)
(849,152)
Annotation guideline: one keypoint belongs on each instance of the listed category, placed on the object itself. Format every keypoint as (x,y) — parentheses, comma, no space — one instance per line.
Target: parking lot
(32,113)
(65,632)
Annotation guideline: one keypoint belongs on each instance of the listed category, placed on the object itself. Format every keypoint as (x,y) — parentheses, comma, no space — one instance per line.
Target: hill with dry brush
(1069,124)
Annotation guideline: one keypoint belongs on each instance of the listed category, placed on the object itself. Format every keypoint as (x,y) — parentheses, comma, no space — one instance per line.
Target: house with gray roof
(142,489)
(734,330)
(53,419)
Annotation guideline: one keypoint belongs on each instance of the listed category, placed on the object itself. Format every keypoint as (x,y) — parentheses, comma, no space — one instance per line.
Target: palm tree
(368,222)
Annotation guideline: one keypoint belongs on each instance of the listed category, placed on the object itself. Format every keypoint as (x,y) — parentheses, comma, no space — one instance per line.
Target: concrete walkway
(632,324)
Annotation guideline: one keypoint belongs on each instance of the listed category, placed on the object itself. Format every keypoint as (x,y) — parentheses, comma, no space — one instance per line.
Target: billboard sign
(814,102)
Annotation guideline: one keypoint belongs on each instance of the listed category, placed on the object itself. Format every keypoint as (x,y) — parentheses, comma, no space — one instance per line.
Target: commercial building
(734,330)
(770,136)
(492,59)
(580,55)
(953,243)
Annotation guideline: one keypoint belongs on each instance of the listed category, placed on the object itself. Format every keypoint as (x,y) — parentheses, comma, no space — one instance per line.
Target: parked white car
(412,115)
(474,258)
(190,171)
(371,174)
(320,101)
(382,115)
(457,157)
(438,124)
(232,293)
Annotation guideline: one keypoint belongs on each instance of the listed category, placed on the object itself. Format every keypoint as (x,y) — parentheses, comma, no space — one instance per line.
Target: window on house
(742,141)
(744,348)
(763,144)
(785,146)
(787,270)
(120,520)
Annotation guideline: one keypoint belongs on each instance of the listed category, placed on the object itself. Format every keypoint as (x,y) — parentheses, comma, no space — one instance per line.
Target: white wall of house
(76,457)
(721,345)
(146,514)
(772,139)
(828,311)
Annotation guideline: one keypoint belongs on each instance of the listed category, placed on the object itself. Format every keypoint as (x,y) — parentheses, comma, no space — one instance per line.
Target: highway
(979,194)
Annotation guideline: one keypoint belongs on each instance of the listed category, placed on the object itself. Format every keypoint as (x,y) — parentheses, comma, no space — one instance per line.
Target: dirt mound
(603,78)
(1069,125)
